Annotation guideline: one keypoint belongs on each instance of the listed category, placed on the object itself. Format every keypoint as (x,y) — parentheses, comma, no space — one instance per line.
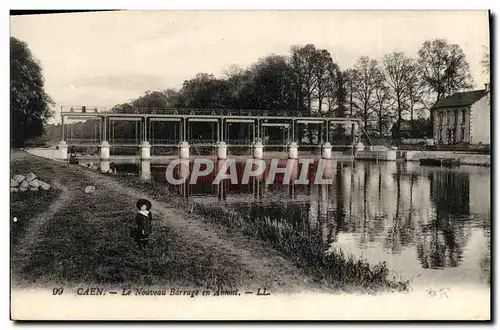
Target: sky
(105,58)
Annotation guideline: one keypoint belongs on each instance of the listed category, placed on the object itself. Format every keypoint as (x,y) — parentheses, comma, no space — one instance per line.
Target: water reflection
(416,219)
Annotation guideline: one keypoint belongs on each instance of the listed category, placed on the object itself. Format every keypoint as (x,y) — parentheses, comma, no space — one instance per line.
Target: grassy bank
(193,246)
(335,270)
(87,240)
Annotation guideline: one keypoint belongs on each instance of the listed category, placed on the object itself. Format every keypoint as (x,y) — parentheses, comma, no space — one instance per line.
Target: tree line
(379,91)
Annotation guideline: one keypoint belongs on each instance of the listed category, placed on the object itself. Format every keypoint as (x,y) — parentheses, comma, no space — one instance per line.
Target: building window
(456,117)
(463,116)
(448,118)
(462,134)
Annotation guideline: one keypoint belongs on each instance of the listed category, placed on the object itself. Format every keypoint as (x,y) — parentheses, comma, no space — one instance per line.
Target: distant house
(463,117)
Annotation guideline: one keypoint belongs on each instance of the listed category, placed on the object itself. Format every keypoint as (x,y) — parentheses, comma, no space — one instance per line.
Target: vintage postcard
(250,165)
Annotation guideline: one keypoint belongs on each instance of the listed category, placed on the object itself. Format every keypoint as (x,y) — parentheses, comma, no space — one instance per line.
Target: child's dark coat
(143,230)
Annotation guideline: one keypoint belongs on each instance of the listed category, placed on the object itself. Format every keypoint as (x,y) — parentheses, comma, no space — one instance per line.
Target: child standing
(143,222)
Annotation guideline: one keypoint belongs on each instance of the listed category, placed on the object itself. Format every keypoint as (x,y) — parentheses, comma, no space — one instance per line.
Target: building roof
(461,99)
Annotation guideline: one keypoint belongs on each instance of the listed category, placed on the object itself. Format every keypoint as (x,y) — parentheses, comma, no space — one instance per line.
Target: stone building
(463,117)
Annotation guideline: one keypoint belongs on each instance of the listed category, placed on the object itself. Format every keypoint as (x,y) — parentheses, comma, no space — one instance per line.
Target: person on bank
(143,220)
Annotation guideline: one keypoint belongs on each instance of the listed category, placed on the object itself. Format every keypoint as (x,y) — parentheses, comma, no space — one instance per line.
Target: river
(428,224)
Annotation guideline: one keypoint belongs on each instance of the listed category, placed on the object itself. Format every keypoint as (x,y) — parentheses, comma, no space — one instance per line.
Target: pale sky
(101,59)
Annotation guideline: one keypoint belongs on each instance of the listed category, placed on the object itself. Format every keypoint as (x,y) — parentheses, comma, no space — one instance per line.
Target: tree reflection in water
(394,207)
(442,240)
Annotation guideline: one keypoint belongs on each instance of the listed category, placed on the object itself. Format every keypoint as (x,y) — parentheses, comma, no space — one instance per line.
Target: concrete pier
(326,150)
(105,146)
(63,150)
(145,150)
(184,150)
(105,166)
(293,151)
(222,150)
(258,150)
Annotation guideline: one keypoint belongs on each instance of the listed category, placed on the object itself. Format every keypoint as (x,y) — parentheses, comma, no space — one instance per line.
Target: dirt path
(264,265)
(31,236)
(38,222)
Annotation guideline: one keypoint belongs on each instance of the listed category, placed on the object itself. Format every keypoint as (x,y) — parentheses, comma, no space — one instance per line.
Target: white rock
(13,183)
(30,177)
(44,185)
(33,188)
(24,185)
(89,189)
(19,178)
(35,183)
(23,188)
(14,189)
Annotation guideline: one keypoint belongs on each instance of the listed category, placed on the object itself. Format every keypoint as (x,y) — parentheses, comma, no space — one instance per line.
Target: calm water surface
(427,223)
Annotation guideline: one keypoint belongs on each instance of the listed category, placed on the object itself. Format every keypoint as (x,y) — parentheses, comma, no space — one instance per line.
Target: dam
(160,135)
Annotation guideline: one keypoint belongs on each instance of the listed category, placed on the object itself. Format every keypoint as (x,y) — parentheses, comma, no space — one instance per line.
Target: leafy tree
(445,69)
(205,91)
(123,108)
(29,103)
(272,78)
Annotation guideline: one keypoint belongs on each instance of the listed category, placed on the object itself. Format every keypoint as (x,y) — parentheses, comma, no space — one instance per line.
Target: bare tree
(383,104)
(367,73)
(351,85)
(335,93)
(397,70)
(417,91)
(303,63)
(351,81)
(323,70)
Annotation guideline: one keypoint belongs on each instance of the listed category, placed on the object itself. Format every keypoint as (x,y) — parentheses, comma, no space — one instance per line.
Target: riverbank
(85,240)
